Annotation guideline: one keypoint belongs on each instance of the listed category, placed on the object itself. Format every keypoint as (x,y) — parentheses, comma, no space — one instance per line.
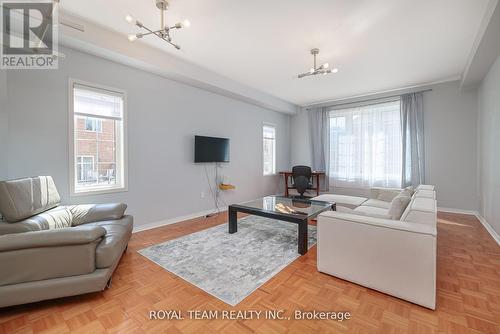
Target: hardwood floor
(468,297)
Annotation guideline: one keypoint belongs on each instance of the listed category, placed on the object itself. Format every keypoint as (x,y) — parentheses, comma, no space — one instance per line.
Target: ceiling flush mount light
(323,69)
(163,32)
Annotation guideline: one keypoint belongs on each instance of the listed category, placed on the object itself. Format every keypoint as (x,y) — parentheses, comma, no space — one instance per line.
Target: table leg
(233,220)
(317,185)
(286,185)
(303,238)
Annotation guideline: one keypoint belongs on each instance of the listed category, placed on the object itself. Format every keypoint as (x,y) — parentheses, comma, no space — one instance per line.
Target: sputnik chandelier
(323,69)
(163,32)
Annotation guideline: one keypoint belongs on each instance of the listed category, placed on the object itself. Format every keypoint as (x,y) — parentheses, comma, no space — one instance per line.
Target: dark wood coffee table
(288,209)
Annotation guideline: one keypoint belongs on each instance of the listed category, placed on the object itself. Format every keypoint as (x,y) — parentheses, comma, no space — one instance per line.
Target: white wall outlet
(202,194)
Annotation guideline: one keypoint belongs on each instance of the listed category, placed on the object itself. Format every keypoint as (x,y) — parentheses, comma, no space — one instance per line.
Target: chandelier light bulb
(322,69)
(163,32)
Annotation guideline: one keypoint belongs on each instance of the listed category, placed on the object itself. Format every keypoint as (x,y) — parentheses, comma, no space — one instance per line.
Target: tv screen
(211,149)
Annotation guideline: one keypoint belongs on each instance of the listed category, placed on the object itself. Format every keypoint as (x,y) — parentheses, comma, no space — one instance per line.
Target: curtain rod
(333,104)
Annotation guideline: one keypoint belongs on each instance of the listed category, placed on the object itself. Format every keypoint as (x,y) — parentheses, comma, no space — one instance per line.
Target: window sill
(98,191)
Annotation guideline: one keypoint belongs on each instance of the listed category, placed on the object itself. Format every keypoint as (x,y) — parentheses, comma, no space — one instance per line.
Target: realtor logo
(29,34)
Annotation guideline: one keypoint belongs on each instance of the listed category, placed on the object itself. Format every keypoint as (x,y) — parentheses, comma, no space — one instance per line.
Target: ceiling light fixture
(163,32)
(323,69)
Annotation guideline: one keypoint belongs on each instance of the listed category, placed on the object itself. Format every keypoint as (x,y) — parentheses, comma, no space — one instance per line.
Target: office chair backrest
(301,176)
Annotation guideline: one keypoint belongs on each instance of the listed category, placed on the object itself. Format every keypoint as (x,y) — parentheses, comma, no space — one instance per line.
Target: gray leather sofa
(50,251)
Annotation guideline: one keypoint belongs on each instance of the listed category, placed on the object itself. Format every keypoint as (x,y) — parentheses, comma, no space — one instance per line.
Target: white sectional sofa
(364,244)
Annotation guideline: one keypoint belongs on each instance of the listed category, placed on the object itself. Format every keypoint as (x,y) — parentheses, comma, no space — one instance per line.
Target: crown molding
(381,94)
(486,47)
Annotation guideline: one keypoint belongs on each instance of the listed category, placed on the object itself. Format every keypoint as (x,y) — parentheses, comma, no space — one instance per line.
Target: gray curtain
(412,126)
(319,129)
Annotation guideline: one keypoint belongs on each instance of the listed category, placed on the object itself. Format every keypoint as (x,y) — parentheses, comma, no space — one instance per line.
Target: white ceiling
(377,45)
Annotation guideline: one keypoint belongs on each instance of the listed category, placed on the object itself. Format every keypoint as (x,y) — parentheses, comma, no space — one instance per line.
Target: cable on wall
(215,194)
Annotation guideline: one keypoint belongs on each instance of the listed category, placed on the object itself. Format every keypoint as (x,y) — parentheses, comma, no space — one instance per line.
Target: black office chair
(301,176)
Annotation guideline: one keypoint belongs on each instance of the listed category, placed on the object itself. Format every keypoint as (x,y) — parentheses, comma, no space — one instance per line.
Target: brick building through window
(97,139)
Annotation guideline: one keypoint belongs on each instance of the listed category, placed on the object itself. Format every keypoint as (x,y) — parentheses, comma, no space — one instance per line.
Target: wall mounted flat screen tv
(211,149)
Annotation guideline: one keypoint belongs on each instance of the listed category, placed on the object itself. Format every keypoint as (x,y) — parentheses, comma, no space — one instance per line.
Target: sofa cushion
(372,211)
(423,204)
(23,198)
(344,209)
(20,227)
(88,213)
(421,210)
(59,217)
(377,203)
(6,228)
(426,187)
(126,222)
(425,194)
(368,211)
(347,201)
(398,205)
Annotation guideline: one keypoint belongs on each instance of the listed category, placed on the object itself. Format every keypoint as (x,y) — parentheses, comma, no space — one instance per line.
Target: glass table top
(287,206)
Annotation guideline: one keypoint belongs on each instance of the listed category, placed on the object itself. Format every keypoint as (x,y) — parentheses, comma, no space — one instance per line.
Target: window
(365,146)
(84,168)
(98,139)
(269,149)
(93,124)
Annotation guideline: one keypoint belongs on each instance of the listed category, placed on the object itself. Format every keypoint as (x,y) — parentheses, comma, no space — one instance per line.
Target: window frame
(121,150)
(274,172)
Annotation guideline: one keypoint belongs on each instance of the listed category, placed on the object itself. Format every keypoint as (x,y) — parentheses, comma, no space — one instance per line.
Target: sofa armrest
(45,255)
(384,194)
(394,257)
(89,213)
(51,238)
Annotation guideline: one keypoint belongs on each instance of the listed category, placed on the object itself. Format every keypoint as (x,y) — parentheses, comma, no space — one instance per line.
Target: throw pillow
(410,189)
(398,206)
(387,195)
(406,192)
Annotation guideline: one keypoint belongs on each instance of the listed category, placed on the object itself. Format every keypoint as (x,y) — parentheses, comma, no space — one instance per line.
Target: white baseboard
(174,220)
(465,212)
(481,219)
(489,228)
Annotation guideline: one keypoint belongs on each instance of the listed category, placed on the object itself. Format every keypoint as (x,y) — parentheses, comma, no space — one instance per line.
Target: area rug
(231,266)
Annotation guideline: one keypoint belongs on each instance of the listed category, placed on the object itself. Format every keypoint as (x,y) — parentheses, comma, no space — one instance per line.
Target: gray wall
(489,158)
(4,123)
(450,125)
(300,139)
(163,116)
(450,144)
